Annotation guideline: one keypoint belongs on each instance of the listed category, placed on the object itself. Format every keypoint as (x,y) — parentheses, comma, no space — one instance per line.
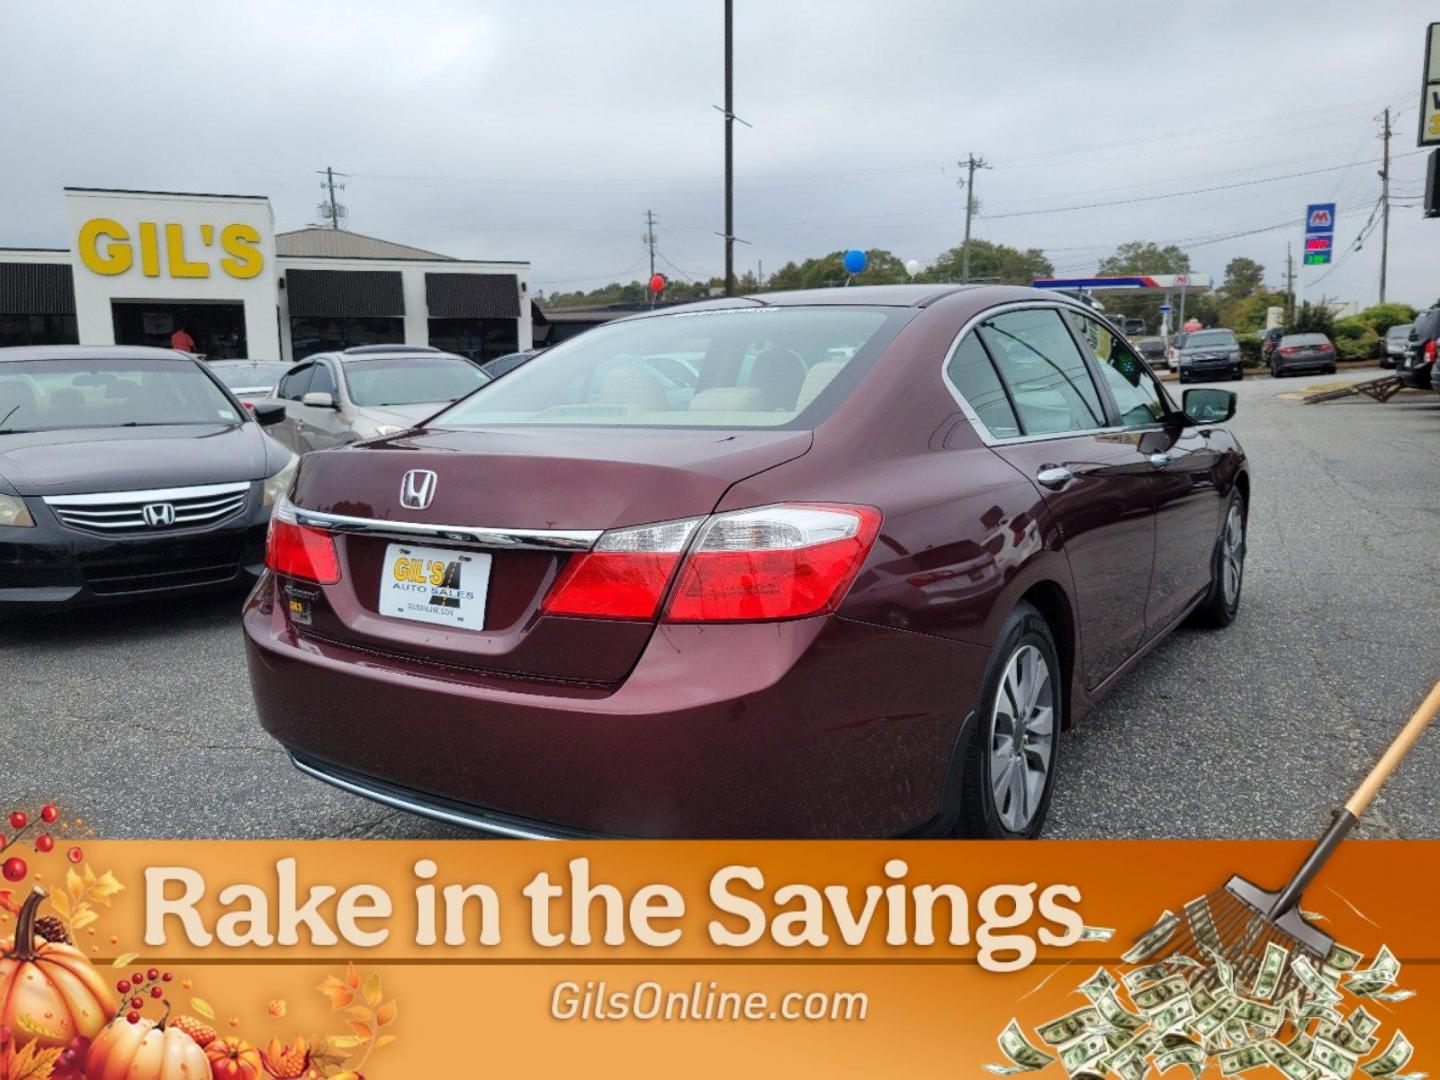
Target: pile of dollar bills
(1196,1012)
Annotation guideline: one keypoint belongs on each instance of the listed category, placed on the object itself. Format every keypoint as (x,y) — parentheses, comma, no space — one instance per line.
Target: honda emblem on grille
(158,514)
(417,488)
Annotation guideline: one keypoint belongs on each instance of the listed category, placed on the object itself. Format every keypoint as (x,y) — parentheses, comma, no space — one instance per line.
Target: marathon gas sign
(1319,233)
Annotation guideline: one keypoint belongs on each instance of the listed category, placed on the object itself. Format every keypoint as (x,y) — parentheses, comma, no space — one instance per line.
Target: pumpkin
(49,993)
(145,1051)
(233,1059)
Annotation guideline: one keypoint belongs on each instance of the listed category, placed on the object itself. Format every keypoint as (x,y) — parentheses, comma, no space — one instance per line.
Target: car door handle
(1159,460)
(1054,477)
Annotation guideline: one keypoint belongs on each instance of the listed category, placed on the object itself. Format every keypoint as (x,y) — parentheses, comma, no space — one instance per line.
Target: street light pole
(729,147)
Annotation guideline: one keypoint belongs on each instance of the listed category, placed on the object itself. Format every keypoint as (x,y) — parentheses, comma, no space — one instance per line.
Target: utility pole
(331,212)
(1289,286)
(1385,206)
(970,164)
(729,147)
(650,240)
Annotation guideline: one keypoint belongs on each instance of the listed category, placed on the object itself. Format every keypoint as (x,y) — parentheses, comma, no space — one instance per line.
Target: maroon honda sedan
(840,563)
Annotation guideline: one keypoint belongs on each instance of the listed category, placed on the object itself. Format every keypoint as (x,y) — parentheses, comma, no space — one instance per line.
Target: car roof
(350,357)
(91,352)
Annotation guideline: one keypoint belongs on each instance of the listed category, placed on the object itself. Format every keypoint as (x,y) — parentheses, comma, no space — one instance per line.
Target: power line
(970,164)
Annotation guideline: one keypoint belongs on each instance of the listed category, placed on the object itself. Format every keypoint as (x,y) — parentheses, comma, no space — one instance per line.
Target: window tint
(294,385)
(974,376)
(1045,371)
(1136,393)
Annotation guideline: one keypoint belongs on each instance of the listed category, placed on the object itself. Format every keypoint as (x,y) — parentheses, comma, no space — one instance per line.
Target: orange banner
(401,959)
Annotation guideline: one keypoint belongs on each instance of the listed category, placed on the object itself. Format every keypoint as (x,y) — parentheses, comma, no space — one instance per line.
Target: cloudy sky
(544,130)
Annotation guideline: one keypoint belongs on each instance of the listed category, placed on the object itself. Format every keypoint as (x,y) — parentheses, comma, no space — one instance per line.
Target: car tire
(1239,374)
(1017,811)
(1222,602)
(1331,370)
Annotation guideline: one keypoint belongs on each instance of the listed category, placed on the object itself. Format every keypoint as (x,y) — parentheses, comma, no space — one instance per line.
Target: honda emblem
(158,514)
(417,489)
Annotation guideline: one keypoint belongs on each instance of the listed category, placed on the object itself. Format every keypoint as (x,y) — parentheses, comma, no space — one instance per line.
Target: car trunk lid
(517,504)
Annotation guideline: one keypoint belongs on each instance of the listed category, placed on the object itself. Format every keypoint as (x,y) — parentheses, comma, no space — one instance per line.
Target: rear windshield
(242,376)
(763,367)
(1207,339)
(411,380)
(43,395)
(1402,331)
(1293,340)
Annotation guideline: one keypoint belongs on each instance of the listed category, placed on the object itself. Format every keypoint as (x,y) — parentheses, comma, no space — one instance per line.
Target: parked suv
(1210,354)
(1397,340)
(1418,364)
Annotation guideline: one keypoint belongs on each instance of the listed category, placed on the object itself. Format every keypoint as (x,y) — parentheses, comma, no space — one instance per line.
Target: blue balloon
(855,261)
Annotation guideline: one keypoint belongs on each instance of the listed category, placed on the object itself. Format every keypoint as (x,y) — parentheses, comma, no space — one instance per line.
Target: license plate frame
(435,586)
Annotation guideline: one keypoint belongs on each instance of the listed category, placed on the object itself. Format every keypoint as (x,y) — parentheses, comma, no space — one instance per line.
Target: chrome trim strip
(999,309)
(454,817)
(541,539)
(115,498)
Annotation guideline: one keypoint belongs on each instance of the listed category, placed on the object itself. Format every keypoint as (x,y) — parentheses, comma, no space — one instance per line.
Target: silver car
(342,397)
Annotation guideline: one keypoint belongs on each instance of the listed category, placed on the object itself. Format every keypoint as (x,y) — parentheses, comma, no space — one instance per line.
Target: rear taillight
(1430,350)
(624,576)
(1287,350)
(301,552)
(777,562)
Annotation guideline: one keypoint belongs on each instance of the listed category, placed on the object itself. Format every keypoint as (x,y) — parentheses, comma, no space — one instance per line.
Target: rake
(1238,922)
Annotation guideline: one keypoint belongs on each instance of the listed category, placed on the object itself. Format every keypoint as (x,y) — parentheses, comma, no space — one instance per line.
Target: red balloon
(657,283)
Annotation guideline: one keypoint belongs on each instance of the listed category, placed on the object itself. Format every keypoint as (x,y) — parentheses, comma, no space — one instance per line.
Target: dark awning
(331,293)
(472,296)
(36,289)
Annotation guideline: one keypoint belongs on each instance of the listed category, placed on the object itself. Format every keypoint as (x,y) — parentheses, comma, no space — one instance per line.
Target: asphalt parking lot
(139,720)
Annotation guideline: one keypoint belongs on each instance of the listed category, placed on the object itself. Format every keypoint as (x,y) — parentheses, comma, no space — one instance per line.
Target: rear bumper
(51,568)
(814,728)
(1418,377)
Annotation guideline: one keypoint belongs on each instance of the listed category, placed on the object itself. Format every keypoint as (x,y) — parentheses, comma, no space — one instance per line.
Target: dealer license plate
(433,585)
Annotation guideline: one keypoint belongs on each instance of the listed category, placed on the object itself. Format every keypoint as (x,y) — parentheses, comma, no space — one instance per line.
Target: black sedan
(1303,352)
(128,472)
(1210,354)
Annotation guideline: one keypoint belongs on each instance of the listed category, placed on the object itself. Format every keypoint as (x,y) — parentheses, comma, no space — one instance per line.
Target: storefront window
(312,335)
(477,339)
(38,330)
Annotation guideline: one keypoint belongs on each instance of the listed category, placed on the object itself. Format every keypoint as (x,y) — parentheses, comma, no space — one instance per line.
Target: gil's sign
(1430,89)
(107,247)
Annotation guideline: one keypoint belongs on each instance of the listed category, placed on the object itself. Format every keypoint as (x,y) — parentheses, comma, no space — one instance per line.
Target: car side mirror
(1205,405)
(320,400)
(267,413)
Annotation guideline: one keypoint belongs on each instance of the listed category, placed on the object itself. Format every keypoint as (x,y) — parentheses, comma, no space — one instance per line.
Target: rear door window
(1044,370)
(974,377)
(296,384)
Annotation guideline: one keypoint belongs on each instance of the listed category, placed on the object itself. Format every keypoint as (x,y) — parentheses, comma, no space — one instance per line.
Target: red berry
(123,986)
(133,1017)
(152,974)
(15,869)
(166,977)
(43,843)
(138,978)
(137,1003)
(19,819)
(74,854)
(156,992)
(49,813)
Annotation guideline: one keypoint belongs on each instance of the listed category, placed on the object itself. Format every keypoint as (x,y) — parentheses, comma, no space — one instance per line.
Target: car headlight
(1235,355)
(278,484)
(14,513)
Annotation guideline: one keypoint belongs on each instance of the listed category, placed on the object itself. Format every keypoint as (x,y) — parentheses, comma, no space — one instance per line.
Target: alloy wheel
(1232,554)
(1022,737)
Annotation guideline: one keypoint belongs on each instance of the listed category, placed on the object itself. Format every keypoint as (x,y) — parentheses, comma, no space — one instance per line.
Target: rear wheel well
(1050,600)
(1242,485)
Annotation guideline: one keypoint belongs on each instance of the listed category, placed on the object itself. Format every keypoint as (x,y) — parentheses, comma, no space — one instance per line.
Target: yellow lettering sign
(105,248)
(116,257)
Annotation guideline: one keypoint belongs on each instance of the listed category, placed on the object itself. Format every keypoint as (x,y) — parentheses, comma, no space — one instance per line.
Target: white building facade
(144,266)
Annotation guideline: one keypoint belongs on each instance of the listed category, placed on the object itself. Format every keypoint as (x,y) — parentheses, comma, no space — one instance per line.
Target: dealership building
(143,264)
